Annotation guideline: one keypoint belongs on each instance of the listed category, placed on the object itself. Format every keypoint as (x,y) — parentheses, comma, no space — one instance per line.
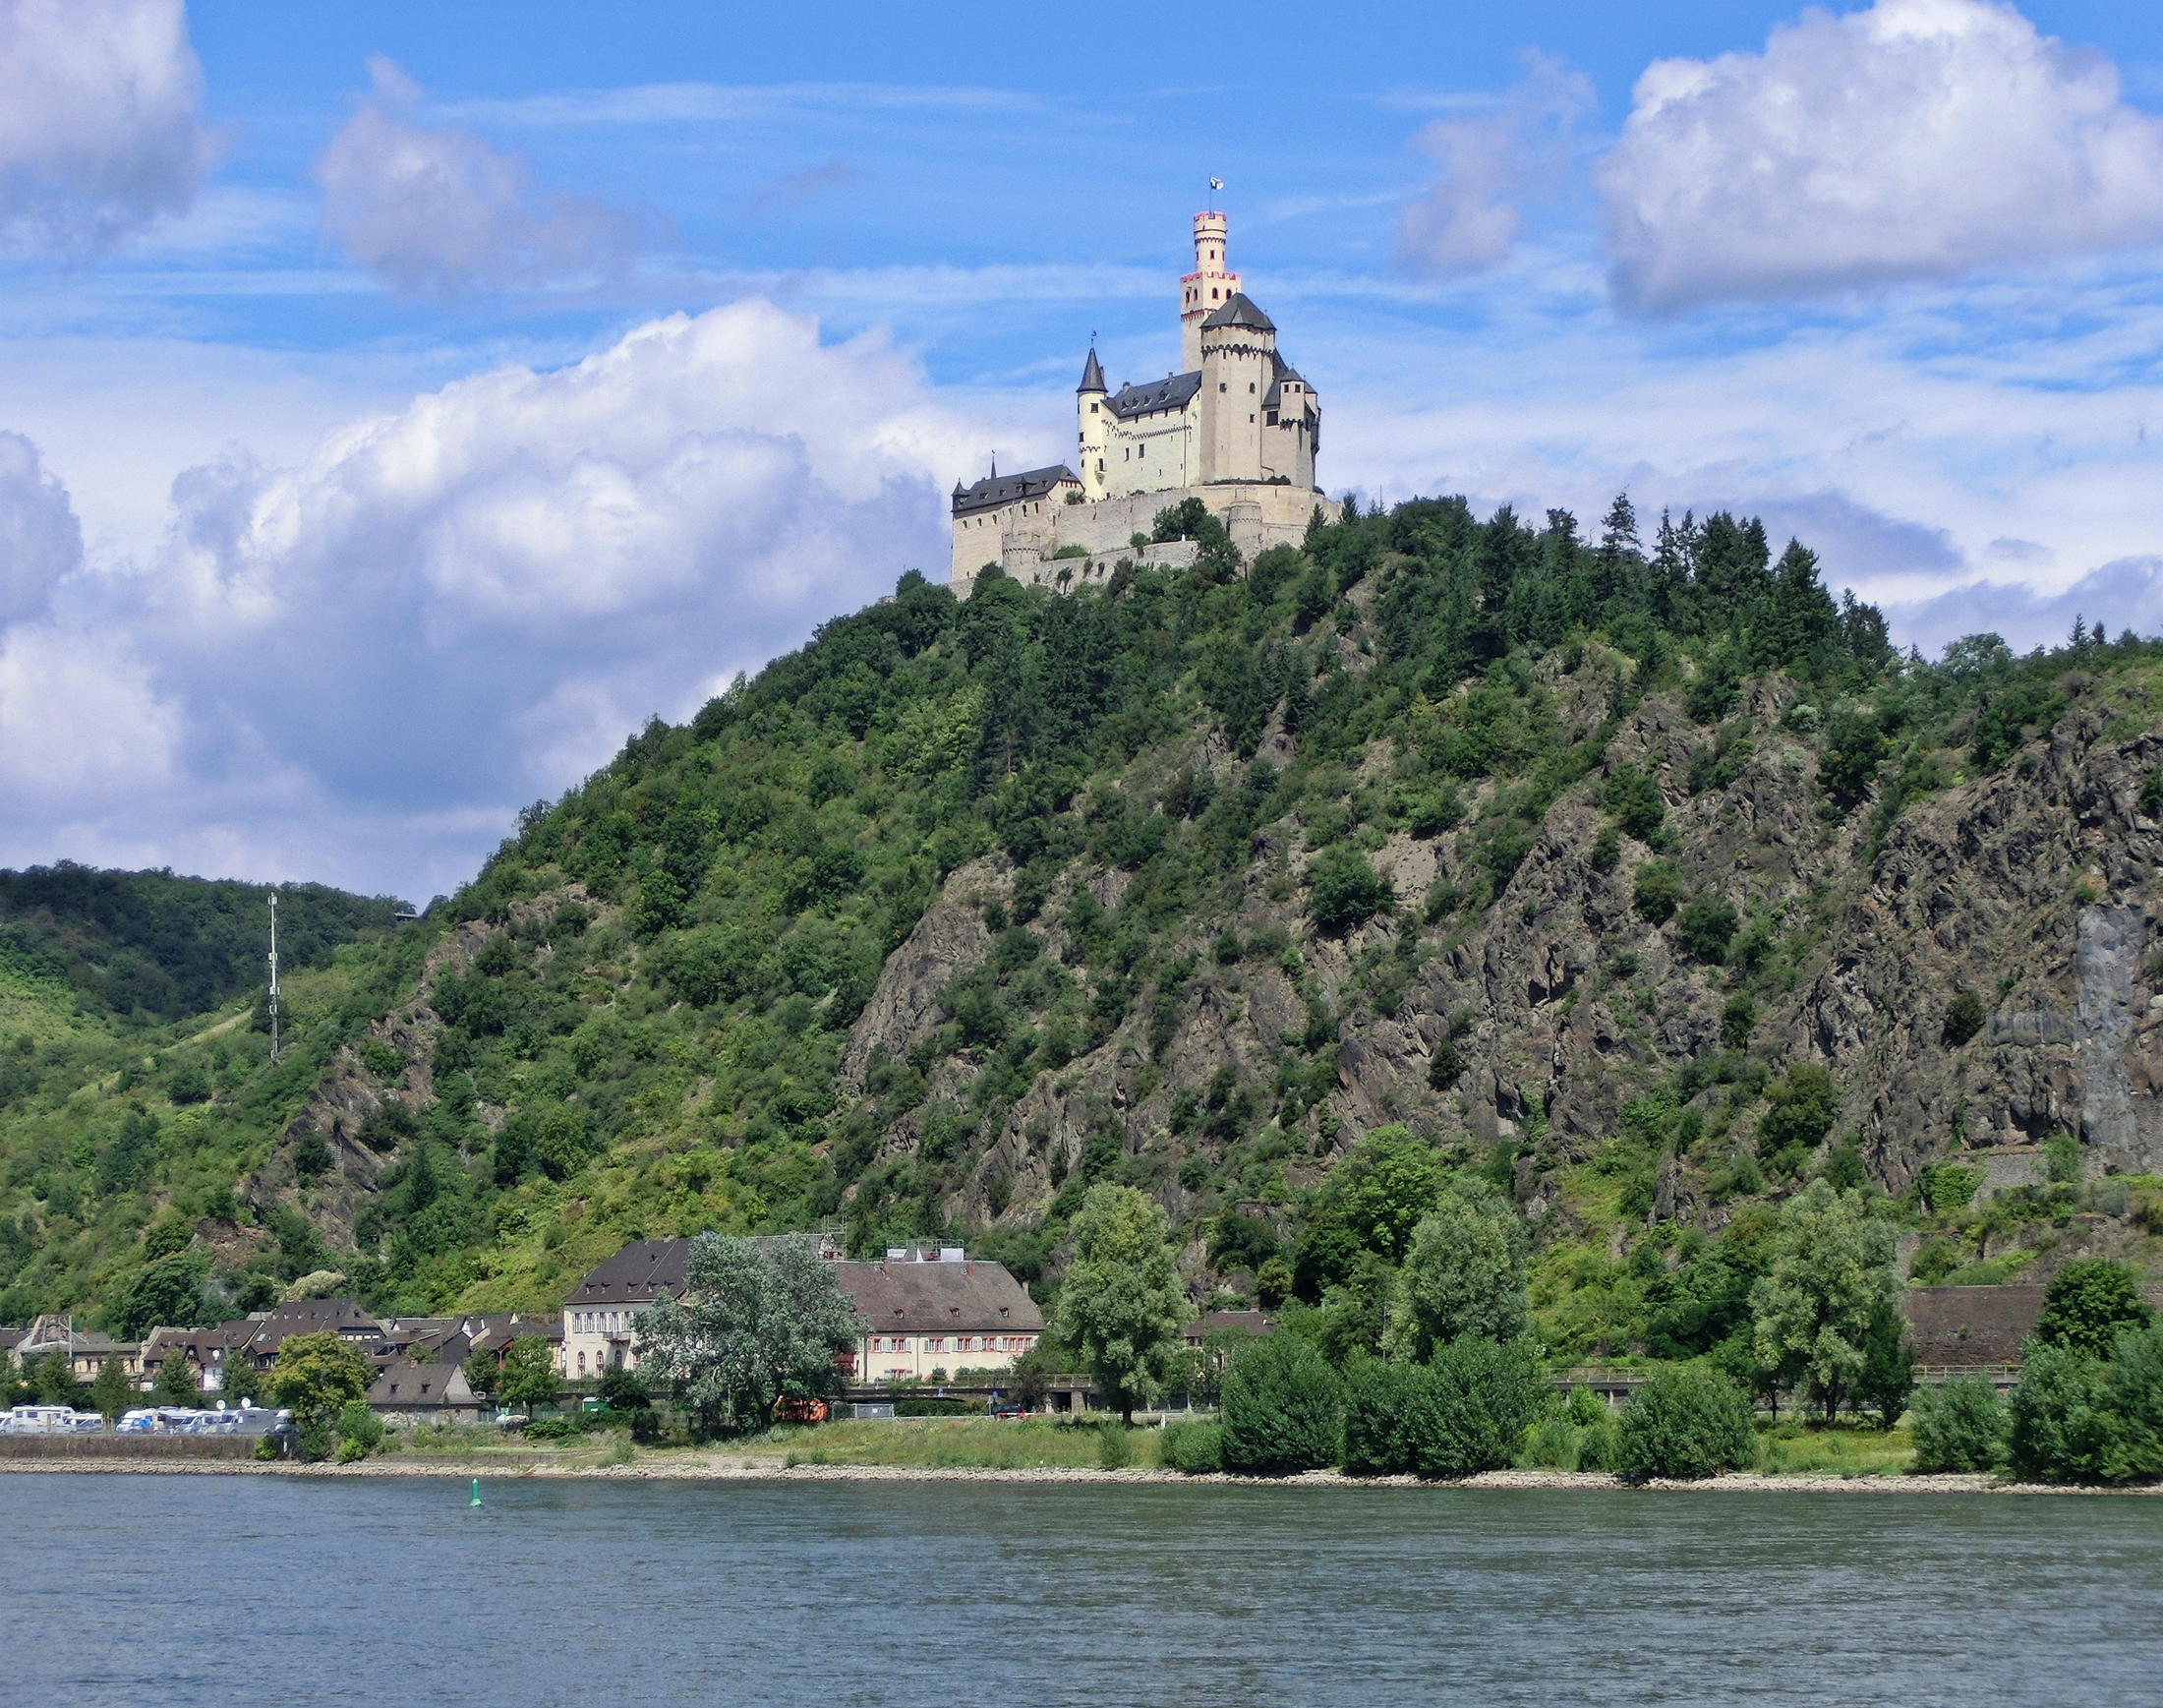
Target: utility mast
(273,975)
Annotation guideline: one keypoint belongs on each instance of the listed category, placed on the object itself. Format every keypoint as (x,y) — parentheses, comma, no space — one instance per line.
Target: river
(156,1589)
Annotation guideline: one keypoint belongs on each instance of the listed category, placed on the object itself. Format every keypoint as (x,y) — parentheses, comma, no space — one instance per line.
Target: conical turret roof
(1092,373)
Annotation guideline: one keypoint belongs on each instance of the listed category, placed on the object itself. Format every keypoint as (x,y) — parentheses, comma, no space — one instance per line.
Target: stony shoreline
(738,1470)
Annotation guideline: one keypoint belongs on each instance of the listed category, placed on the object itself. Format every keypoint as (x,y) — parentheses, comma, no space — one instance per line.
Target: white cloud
(1920,139)
(360,665)
(1468,221)
(98,133)
(39,538)
(2128,594)
(440,211)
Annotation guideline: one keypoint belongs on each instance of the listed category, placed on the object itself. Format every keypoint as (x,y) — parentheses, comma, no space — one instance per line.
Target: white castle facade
(1237,427)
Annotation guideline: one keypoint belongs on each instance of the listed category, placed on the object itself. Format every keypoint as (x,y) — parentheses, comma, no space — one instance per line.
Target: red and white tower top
(1204,290)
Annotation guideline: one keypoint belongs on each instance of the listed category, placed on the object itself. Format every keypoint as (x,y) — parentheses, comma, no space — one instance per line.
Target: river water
(155,1589)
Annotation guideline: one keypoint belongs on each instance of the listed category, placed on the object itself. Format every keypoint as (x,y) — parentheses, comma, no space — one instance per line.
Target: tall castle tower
(1093,419)
(1204,290)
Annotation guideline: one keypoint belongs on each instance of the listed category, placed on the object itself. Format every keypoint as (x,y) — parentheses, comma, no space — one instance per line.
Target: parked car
(1008,1408)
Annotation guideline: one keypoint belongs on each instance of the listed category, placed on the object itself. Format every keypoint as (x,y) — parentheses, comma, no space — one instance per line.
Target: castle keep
(1239,427)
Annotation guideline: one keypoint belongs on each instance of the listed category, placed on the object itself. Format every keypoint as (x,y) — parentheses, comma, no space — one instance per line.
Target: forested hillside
(1644,880)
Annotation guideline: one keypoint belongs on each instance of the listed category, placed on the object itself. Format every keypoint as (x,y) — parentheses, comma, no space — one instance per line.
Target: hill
(1647,883)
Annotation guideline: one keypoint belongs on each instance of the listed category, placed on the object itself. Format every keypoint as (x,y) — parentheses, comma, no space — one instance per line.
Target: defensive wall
(1258,514)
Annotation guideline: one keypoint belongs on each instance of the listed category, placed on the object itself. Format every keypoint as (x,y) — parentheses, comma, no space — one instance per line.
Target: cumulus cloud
(360,665)
(1489,164)
(1920,139)
(98,131)
(440,211)
(2128,594)
(41,540)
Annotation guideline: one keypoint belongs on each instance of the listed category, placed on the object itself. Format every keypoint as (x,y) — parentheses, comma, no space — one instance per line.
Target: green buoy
(476,1491)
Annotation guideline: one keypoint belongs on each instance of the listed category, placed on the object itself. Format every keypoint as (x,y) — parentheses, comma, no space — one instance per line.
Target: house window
(1250,388)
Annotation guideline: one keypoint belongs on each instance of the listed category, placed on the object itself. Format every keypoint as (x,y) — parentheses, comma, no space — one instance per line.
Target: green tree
(1284,1408)
(1887,1378)
(359,1431)
(1634,800)
(1470,1407)
(1655,887)
(1120,1304)
(1960,1427)
(1801,1105)
(528,1376)
(2060,1428)
(1831,1269)
(112,1393)
(483,1372)
(176,1382)
(238,1379)
(2088,1303)
(317,1375)
(1704,929)
(1464,1275)
(756,1325)
(1964,1019)
(1378,1394)
(1685,1423)
(1383,1187)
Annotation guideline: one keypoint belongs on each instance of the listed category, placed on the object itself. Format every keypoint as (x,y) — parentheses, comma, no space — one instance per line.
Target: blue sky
(399,404)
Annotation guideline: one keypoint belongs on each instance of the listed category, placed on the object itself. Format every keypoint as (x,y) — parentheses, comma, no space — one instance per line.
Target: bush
(359,1426)
(1378,1396)
(1471,1408)
(1194,1447)
(1282,1409)
(1655,887)
(1685,1423)
(1345,891)
(1553,1444)
(645,1426)
(2061,1425)
(1964,1019)
(934,1407)
(1705,928)
(1114,1446)
(1960,1427)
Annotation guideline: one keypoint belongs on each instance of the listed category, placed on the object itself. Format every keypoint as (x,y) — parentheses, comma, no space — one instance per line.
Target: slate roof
(1092,373)
(343,1317)
(1240,310)
(1280,372)
(420,1387)
(971,1298)
(637,1274)
(1174,392)
(1256,1323)
(997,491)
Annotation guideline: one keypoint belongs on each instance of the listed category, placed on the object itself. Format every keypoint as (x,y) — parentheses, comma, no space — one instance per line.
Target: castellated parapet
(1239,429)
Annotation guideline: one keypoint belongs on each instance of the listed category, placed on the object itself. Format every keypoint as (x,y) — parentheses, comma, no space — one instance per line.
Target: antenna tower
(273,977)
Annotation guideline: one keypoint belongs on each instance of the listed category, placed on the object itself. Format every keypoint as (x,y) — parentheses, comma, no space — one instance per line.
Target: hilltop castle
(1237,427)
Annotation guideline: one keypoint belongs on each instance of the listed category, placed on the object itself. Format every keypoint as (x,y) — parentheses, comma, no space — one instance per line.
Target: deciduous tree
(1464,1275)
(1832,1269)
(1121,1303)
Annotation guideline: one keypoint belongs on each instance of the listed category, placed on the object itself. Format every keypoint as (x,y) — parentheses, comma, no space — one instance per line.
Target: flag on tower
(1217,183)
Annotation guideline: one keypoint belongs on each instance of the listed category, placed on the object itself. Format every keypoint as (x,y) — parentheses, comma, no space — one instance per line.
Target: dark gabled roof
(422,1385)
(1092,373)
(1240,310)
(311,1317)
(969,1298)
(997,491)
(641,1272)
(1254,1323)
(1174,392)
(1279,371)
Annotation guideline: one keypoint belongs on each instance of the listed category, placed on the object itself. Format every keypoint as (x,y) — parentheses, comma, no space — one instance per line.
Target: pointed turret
(1090,421)
(1093,375)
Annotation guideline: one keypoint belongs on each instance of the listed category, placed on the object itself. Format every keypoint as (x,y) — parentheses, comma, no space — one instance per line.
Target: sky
(401,404)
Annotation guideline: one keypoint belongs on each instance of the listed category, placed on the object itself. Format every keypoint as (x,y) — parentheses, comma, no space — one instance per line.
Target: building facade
(923,1309)
(1238,426)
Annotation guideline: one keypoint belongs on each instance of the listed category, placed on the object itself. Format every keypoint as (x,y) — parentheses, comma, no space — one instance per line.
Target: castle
(1237,427)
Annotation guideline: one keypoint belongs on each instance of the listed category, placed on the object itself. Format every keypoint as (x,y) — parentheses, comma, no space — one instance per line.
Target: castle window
(1213,293)
(1221,387)
(1273,418)
(1250,388)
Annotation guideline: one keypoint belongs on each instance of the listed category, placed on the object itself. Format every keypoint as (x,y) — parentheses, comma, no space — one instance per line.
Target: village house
(424,1393)
(924,1309)
(88,1351)
(344,1317)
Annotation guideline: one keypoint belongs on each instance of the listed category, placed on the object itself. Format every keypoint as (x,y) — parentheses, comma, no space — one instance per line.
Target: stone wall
(1258,515)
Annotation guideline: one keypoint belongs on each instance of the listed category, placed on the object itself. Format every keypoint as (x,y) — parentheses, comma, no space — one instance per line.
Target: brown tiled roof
(936,1298)
(1968,1326)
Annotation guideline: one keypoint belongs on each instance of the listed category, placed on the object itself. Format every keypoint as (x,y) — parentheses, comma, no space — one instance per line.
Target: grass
(1799,1450)
(949,1443)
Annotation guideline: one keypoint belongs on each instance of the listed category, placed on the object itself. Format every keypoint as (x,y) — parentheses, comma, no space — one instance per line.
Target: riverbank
(682,1465)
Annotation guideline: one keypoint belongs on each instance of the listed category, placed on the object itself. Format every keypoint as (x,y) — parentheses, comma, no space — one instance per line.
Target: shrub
(1471,1407)
(1634,800)
(360,1429)
(1553,1444)
(1114,1446)
(1704,929)
(935,1407)
(645,1426)
(1446,1065)
(1802,1107)
(1282,1409)
(1598,1447)
(1960,1427)
(1345,891)
(2061,1426)
(1655,887)
(1377,1396)
(1685,1423)
(1195,1449)
(1964,1019)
